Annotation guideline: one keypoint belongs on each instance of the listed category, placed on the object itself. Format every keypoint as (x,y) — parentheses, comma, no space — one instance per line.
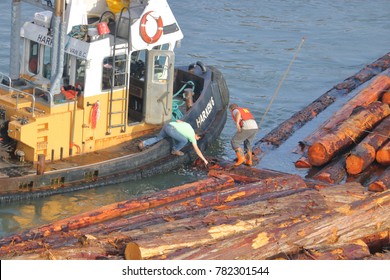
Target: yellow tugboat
(87,80)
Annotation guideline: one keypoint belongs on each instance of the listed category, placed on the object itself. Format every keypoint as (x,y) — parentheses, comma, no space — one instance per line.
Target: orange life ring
(142,29)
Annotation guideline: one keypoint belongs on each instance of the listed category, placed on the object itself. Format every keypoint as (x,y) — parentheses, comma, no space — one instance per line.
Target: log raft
(258,214)
(363,98)
(354,143)
(287,128)
(347,133)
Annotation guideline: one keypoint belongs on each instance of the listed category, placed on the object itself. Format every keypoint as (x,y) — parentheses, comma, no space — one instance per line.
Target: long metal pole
(59,15)
(14,68)
(281,82)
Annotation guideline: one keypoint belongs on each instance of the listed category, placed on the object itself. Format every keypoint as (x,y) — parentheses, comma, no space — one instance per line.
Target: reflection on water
(17,216)
(252,47)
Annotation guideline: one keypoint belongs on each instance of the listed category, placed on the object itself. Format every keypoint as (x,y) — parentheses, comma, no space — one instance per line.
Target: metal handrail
(2,76)
(46,92)
(12,89)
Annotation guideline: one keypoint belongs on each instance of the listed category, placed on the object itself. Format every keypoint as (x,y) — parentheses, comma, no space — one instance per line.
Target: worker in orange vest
(247,129)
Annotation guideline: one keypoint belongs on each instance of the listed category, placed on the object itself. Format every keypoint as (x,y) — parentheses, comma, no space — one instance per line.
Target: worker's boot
(248,158)
(240,157)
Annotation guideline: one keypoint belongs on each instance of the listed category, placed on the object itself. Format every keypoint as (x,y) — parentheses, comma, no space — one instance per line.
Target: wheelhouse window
(47,62)
(161,65)
(74,71)
(114,69)
(163,47)
(33,60)
(137,64)
(80,73)
(67,69)
(160,69)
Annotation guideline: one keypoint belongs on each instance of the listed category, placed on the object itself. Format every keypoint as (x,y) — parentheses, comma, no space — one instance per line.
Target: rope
(281,81)
(176,103)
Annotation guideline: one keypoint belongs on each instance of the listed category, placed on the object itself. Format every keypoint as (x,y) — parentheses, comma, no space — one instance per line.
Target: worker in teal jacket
(181,133)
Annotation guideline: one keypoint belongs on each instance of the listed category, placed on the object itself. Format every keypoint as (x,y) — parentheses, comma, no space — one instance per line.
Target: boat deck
(10,166)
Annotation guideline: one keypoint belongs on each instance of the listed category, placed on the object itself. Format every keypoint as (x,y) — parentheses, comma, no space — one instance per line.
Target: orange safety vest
(245,115)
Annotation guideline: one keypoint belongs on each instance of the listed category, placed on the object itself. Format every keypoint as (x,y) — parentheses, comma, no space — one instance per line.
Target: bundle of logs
(288,127)
(354,143)
(235,213)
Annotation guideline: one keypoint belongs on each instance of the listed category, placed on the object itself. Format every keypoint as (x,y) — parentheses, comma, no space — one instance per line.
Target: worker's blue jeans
(179,141)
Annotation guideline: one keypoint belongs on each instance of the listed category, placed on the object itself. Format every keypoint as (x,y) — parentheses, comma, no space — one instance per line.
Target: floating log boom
(349,132)
(365,97)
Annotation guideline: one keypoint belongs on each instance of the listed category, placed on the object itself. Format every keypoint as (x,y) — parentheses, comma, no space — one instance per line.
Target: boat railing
(39,91)
(16,93)
(4,77)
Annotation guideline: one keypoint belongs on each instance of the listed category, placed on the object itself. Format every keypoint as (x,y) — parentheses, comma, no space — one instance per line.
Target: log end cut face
(318,154)
(132,251)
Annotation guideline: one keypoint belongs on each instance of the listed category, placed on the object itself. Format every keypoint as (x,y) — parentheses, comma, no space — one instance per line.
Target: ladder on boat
(120,76)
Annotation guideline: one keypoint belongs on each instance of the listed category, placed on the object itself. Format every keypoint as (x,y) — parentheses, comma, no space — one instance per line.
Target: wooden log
(341,225)
(247,174)
(158,238)
(362,99)
(363,154)
(370,174)
(214,199)
(377,241)
(303,162)
(360,158)
(181,230)
(332,173)
(282,132)
(238,178)
(348,133)
(162,240)
(338,195)
(82,247)
(386,97)
(380,256)
(356,250)
(382,183)
(237,220)
(383,154)
(126,207)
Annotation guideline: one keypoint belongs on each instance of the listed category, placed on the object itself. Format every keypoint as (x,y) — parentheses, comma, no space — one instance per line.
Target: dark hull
(154,160)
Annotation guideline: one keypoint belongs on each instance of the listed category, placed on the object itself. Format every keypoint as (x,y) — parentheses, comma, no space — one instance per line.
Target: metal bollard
(41,164)
(188,95)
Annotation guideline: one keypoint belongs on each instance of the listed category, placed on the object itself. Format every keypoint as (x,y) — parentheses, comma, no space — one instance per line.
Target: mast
(58,51)
(14,69)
